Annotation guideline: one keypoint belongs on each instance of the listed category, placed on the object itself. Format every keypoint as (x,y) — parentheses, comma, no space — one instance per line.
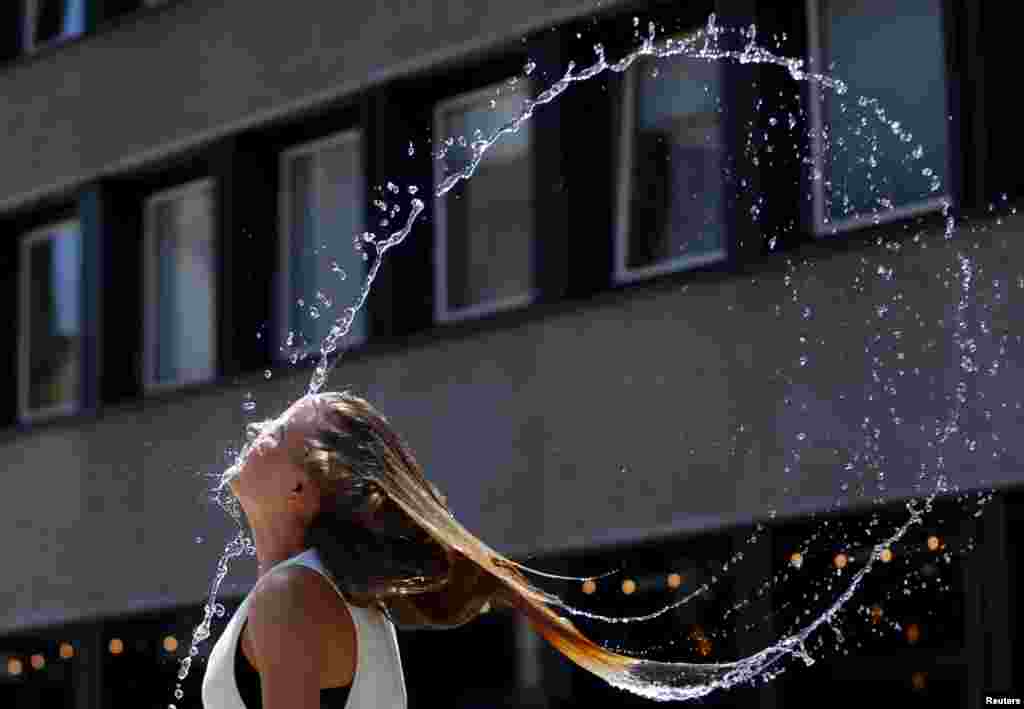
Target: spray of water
(652,679)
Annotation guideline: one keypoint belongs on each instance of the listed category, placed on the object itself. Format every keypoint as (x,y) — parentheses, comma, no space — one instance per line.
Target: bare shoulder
(296,595)
(296,621)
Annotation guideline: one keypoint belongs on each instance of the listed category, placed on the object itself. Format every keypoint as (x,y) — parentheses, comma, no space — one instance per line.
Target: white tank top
(378,682)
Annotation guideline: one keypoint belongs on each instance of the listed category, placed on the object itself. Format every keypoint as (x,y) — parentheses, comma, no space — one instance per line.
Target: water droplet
(801,436)
(530,66)
(392,187)
(178,694)
(412,150)
(267,374)
(199,540)
(314,313)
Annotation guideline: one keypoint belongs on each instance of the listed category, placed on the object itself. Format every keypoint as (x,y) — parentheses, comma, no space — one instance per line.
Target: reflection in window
(324,205)
(51,20)
(671,193)
(181,285)
(484,226)
(896,60)
(51,320)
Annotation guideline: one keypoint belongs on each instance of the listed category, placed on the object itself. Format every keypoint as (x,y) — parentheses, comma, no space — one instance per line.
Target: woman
(351,540)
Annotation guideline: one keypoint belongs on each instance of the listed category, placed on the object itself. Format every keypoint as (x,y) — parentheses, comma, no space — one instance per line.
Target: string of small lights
(16,666)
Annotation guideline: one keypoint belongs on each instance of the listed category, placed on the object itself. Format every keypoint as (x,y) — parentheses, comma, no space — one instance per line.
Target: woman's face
(270,469)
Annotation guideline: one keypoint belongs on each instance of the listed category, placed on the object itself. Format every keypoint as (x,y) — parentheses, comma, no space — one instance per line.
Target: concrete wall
(200,70)
(654,409)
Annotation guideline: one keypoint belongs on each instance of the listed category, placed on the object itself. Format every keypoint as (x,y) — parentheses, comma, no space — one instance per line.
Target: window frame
(30,19)
(442,313)
(28,240)
(283,297)
(150,384)
(816,53)
(622,189)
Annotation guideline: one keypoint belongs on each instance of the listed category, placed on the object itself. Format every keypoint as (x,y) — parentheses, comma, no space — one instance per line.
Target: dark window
(881,150)
(485,231)
(48,21)
(322,211)
(671,192)
(181,285)
(50,338)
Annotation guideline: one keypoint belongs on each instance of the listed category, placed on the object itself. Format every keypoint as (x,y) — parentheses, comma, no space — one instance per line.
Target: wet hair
(388,537)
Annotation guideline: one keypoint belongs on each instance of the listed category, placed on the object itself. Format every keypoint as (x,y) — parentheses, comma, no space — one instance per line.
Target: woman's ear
(305,499)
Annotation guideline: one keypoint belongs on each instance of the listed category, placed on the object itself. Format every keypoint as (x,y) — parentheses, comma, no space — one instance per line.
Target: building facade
(646,328)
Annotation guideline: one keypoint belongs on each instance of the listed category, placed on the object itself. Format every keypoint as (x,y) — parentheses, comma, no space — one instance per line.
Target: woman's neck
(273,548)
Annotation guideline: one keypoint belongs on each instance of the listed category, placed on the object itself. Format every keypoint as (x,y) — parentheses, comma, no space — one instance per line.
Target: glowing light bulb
(628,586)
(913,633)
(38,662)
(14,667)
(886,556)
(919,680)
(675,580)
(876,614)
(933,543)
(704,647)
(67,651)
(589,586)
(116,646)
(170,643)
(797,559)
(840,560)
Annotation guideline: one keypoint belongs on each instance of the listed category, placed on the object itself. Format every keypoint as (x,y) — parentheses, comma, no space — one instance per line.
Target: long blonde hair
(388,537)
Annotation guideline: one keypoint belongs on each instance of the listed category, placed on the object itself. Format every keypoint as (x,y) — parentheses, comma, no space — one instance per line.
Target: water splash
(703,45)
(655,680)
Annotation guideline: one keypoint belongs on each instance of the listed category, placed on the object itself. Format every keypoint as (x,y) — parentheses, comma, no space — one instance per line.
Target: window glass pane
(53,327)
(898,59)
(183,246)
(678,152)
(489,220)
(302,239)
(339,219)
(59,19)
(326,207)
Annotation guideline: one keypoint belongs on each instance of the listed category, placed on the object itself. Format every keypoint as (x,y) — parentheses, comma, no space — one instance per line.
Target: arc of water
(646,678)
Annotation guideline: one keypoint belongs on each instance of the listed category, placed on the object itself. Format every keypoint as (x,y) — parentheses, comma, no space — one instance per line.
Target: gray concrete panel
(197,70)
